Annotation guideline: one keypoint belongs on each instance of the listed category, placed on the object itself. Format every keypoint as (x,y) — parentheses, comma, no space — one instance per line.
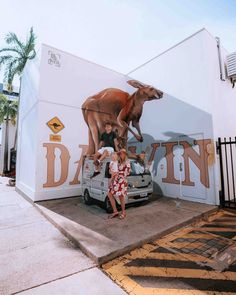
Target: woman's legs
(122,202)
(113,202)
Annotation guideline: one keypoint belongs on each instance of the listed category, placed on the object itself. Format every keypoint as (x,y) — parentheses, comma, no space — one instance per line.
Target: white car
(140,185)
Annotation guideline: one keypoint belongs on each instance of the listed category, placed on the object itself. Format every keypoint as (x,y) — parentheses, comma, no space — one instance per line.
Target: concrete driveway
(103,239)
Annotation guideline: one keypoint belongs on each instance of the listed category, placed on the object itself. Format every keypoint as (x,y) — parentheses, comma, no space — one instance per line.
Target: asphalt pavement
(197,259)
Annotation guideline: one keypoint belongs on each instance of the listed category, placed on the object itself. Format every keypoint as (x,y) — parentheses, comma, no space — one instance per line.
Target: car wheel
(107,205)
(87,199)
(12,182)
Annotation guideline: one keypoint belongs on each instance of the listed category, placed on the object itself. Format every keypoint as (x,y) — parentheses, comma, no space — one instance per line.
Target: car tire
(107,205)
(12,182)
(87,199)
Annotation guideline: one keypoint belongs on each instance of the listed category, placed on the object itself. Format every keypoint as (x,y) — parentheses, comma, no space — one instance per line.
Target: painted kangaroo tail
(85,112)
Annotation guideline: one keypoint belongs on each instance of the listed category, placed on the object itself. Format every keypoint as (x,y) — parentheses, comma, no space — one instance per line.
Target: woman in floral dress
(118,186)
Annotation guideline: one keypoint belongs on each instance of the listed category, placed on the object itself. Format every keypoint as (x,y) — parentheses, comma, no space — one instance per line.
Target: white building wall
(182,71)
(27,130)
(188,72)
(56,90)
(224,105)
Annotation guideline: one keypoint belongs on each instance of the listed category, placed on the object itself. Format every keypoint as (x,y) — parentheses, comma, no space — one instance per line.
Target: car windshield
(138,169)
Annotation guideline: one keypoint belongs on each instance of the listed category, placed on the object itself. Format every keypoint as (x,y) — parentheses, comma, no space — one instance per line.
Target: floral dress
(118,186)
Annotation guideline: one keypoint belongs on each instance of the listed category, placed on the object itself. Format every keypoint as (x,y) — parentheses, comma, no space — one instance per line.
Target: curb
(119,252)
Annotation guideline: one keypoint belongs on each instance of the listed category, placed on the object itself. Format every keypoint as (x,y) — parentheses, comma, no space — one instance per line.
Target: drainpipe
(219,58)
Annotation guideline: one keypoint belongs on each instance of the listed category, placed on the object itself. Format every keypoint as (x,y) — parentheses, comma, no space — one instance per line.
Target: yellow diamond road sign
(55,125)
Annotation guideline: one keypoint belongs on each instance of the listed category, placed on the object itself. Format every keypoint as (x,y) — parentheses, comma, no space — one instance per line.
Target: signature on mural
(120,109)
(54,59)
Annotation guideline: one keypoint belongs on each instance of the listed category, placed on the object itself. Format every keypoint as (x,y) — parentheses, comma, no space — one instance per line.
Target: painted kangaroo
(118,107)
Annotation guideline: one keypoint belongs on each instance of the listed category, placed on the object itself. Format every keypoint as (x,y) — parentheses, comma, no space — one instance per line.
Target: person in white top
(113,166)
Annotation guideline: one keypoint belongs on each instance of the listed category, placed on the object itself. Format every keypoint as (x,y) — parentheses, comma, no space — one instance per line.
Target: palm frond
(15,62)
(30,45)
(10,71)
(11,49)
(13,67)
(5,58)
(11,38)
(32,38)
(21,65)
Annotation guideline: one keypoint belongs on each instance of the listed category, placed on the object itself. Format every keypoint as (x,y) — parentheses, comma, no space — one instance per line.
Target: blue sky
(118,34)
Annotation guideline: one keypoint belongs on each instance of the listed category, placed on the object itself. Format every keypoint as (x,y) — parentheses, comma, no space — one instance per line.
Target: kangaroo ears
(135,83)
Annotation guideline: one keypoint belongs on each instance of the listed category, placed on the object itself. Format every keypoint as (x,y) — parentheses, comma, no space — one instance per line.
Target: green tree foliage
(15,55)
(8,109)
(8,112)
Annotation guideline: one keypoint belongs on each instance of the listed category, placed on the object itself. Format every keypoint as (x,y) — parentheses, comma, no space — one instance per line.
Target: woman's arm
(127,169)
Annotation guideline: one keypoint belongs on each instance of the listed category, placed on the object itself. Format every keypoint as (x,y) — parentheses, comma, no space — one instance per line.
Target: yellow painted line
(204,229)
(178,233)
(175,272)
(118,261)
(180,257)
(216,215)
(120,273)
(170,272)
(137,253)
(143,253)
(187,233)
(180,245)
(198,236)
(124,281)
(166,256)
(203,234)
(233,222)
(165,291)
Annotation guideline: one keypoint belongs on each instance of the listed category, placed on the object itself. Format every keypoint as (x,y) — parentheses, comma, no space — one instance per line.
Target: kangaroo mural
(120,109)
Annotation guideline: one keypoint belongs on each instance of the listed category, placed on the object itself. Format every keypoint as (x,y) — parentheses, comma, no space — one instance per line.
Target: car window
(87,169)
(138,169)
(107,171)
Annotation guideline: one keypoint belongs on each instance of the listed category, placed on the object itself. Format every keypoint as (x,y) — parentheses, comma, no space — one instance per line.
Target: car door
(106,180)
(97,184)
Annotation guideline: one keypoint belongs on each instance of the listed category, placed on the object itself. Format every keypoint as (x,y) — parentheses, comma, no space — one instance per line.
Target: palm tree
(15,55)
(8,112)
(14,58)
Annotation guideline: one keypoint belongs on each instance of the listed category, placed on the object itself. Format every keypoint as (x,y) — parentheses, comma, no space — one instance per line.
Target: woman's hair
(120,159)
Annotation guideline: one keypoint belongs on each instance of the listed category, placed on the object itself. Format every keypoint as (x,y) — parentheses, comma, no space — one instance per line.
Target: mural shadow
(148,140)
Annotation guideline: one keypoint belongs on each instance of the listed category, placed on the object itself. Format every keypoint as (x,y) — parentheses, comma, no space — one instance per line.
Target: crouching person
(108,144)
